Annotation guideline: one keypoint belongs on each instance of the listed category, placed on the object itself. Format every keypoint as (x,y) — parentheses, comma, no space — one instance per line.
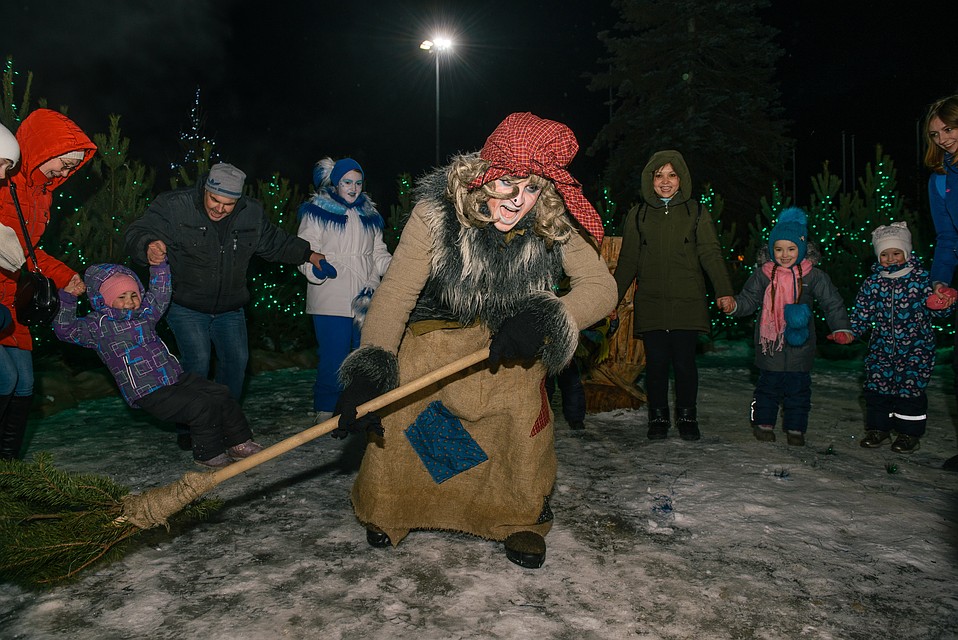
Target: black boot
(14,426)
(659,423)
(526,549)
(376,537)
(688,423)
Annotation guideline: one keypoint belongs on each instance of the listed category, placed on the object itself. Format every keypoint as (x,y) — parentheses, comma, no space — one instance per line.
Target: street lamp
(437,45)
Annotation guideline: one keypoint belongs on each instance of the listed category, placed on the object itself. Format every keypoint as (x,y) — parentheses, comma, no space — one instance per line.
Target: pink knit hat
(115,285)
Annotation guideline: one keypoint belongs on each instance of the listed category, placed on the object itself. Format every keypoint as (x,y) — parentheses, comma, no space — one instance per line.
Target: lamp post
(436,46)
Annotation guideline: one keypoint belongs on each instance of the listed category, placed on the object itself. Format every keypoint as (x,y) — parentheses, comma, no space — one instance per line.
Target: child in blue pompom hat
(784,287)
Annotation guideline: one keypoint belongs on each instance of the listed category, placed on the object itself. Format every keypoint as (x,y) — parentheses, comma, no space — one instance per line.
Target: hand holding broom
(54,524)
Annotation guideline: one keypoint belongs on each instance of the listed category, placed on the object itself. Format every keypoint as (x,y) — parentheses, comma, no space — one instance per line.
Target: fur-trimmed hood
(96,275)
(328,208)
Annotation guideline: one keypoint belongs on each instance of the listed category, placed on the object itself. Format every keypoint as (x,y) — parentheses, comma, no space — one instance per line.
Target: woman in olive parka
(668,240)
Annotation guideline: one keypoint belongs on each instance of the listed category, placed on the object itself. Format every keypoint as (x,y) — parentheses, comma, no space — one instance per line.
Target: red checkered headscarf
(524,144)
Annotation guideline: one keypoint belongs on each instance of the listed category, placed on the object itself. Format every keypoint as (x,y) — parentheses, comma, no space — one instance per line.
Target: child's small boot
(244,450)
(216,462)
(688,423)
(875,438)
(764,432)
(905,443)
(659,423)
(795,438)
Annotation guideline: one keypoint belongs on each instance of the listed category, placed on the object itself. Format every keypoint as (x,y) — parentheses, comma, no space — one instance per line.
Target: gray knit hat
(226,180)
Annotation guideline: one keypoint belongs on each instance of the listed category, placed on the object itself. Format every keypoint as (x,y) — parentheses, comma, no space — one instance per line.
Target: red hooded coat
(42,135)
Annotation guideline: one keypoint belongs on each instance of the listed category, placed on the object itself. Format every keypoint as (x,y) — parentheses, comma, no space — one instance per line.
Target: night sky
(286,83)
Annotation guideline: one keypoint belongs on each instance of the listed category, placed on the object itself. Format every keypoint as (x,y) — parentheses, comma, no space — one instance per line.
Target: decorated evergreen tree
(197,149)
(94,232)
(10,113)
(276,313)
(398,213)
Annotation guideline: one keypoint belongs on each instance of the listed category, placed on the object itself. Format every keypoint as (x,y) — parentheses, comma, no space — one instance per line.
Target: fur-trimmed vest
(481,274)
(454,275)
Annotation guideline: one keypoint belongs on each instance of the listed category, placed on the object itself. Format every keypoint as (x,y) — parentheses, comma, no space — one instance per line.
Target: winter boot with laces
(688,423)
(659,423)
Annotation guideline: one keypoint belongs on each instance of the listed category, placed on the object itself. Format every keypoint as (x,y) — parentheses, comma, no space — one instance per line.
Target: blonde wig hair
(551,220)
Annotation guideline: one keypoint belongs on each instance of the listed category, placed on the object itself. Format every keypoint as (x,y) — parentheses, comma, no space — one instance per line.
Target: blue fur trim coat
(901,350)
(351,238)
(125,340)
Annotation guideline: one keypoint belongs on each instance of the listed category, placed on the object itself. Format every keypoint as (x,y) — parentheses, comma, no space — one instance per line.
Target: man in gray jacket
(209,233)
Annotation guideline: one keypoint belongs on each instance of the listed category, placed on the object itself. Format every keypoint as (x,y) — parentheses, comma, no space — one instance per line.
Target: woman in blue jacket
(941,126)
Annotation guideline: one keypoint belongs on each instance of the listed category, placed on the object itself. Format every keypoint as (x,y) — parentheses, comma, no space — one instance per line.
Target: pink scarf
(781,291)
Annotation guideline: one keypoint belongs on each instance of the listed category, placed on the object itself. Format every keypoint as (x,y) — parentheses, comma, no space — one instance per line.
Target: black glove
(359,391)
(519,338)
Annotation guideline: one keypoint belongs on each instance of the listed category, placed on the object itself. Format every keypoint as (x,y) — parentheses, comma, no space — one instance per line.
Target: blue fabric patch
(443,444)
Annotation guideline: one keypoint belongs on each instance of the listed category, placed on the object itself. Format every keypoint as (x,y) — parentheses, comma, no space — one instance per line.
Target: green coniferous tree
(398,213)
(696,77)
(10,113)
(277,293)
(122,188)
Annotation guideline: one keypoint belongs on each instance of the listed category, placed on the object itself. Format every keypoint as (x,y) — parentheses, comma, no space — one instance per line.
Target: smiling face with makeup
(519,197)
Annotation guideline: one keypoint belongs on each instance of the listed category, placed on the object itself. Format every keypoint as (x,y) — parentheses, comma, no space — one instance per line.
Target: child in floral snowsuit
(901,351)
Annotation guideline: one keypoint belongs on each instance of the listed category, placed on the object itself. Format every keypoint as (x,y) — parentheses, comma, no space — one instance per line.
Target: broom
(55,524)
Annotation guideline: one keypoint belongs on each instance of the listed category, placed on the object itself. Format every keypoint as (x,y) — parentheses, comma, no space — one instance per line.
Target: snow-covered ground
(722,538)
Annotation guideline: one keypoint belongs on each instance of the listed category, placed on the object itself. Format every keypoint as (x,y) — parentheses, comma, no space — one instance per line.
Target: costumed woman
(477,266)
(341,223)
(53,148)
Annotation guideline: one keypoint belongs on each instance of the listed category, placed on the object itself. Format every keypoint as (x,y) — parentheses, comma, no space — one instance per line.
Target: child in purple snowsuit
(122,329)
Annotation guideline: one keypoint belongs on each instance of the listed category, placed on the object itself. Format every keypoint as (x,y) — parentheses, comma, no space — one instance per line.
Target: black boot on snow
(526,549)
(688,423)
(659,423)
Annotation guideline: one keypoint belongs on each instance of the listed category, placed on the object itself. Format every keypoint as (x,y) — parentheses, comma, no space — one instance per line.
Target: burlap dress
(506,413)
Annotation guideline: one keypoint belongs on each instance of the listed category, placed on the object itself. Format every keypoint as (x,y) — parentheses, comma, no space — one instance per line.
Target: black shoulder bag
(36,300)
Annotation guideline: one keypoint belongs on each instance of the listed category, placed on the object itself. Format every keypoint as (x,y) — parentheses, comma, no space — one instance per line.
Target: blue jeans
(16,372)
(196,331)
(336,336)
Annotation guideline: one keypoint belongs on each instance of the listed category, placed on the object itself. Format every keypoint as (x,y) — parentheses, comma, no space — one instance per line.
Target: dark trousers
(675,349)
(573,393)
(895,413)
(213,415)
(790,389)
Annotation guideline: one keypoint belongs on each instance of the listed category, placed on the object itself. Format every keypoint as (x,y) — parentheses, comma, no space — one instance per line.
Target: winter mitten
(5,317)
(841,337)
(359,391)
(796,324)
(324,270)
(948,299)
(519,338)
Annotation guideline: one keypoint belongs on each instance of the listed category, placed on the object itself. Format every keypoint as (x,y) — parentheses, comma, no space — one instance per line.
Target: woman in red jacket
(52,148)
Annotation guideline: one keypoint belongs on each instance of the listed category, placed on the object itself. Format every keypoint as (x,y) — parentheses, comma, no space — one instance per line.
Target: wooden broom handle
(326,426)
